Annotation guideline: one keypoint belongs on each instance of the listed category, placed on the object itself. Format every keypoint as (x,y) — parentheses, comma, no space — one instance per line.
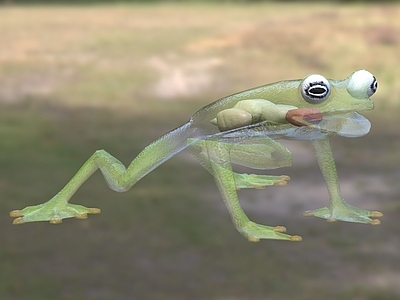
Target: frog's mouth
(343,123)
(304,116)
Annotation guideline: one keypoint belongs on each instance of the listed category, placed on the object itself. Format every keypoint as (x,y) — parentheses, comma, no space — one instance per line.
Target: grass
(76,79)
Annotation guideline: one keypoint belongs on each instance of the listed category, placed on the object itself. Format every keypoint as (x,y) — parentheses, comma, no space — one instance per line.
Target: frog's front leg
(257,156)
(118,177)
(338,209)
(219,159)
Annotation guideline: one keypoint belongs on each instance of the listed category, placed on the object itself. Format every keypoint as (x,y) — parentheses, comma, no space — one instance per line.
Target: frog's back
(277,93)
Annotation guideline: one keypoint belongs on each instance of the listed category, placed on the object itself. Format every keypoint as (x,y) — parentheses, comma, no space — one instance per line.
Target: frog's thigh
(256,153)
(260,153)
(200,152)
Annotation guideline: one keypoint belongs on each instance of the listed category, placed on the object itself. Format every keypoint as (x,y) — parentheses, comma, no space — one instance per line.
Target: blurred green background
(74,79)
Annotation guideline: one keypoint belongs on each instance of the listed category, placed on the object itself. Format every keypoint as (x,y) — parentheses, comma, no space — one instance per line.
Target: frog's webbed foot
(254,232)
(253,181)
(53,211)
(346,212)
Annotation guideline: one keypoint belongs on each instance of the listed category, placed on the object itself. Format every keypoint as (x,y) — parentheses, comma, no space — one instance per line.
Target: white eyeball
(362,84)
(315,89)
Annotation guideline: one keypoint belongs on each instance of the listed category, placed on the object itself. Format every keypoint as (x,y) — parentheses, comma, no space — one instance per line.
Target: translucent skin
(243,129)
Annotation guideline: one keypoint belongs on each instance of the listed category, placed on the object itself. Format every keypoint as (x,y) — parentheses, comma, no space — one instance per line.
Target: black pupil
(317,90)
(374,85)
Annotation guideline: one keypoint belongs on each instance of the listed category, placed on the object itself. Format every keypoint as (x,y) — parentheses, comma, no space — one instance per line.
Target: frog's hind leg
(118,177)
(218,162)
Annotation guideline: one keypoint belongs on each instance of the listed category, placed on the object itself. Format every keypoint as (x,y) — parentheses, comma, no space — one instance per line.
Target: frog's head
(330,96)
(332,104)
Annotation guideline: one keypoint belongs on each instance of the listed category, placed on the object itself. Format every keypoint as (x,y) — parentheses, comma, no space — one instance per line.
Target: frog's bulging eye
(362,84)
(315,89)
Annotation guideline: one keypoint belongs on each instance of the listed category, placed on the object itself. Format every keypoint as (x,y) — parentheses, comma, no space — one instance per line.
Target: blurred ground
(77,79)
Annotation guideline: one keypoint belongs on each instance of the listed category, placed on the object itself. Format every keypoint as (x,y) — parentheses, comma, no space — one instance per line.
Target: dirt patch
(183,77)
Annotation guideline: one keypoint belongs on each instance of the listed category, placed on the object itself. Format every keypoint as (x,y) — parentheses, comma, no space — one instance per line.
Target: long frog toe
(255,232)
(253,181)
(52,212)
(346,212)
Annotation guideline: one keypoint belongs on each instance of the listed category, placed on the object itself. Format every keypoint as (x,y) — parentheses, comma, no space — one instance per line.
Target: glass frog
(243,129)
